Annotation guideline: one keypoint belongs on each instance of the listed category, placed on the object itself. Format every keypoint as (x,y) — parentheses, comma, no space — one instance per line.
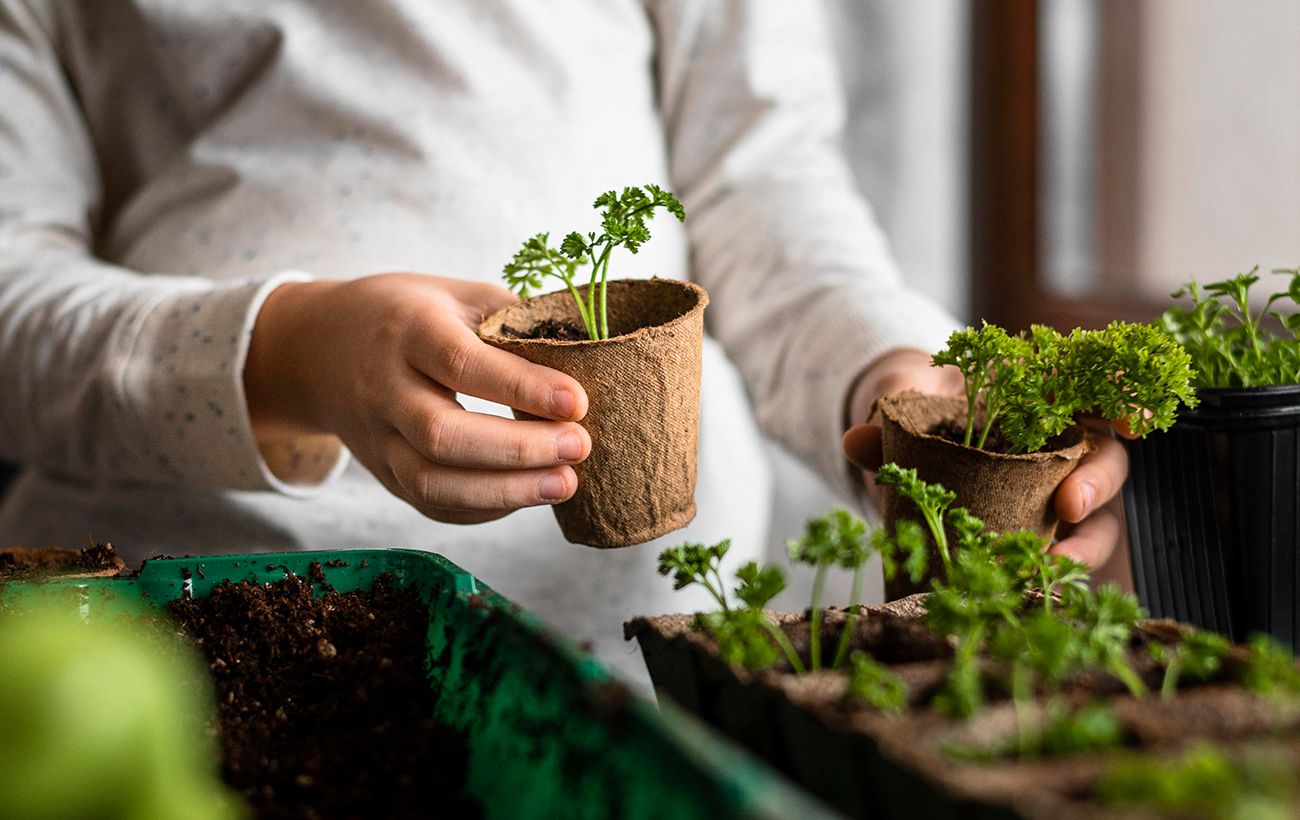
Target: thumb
(862,446)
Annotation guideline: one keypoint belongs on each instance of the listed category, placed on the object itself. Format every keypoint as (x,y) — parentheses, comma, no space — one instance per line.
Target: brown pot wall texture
(1009,492)
(643,388)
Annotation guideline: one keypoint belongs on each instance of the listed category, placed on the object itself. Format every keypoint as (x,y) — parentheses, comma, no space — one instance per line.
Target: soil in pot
(553,329)
(921,763)
(324,702)
(1009,492)
(27,562)
(643,389)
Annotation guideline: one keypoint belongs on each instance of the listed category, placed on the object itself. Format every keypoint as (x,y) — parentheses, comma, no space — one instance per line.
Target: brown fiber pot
(1009,492)
(643,389)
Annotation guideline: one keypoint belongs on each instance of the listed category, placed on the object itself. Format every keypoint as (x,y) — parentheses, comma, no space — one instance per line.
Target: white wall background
(903,69)
(1220,140)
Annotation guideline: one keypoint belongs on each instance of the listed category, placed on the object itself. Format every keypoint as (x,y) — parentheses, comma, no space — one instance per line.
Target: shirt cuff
(181,381)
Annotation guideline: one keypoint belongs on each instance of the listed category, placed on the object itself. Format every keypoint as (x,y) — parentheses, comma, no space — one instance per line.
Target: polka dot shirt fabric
(165,164)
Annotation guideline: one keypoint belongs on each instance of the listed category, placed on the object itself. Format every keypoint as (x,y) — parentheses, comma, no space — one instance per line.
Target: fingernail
(568,447)
(1089,496)
(563,403)
(553,488)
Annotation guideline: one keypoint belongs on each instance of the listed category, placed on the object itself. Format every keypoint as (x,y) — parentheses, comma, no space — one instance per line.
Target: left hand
(1090,526)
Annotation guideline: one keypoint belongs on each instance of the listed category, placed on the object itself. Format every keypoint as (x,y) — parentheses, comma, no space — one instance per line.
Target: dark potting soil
(995,443)
(22,562)
(324,703)
(554,329)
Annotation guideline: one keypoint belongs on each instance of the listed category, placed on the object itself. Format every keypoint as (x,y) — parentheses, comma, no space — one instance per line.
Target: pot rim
(1083,446)
(1259,390)
(701,301)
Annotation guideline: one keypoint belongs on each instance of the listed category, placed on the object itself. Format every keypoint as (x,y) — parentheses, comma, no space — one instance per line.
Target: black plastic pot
(1213,513)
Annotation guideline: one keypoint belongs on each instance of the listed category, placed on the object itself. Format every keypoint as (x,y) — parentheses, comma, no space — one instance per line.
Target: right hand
(377,362)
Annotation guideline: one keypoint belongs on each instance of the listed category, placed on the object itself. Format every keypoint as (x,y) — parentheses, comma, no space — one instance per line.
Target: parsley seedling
(836,538)
(745,635)
(1203,782)
(931,500)
(1270,668)
(1198,656)
(623,224)
(1033,387)
(1229,342)
(872,683)
(693,564)
(1060,730)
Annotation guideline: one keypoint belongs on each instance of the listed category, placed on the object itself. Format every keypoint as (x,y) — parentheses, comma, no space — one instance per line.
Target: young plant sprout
(1198,656)
(985,606)
(1229,343)
(623,224)
(1018,620)
(1203,782)
(1270,669)
(1033,387)
(745,635)
(931,500)
(873,684)
(837,538)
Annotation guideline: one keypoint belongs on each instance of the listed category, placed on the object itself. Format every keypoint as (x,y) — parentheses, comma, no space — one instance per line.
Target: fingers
(1094,482)
(453,356)
(443,432)
(435,489)
(1092,541)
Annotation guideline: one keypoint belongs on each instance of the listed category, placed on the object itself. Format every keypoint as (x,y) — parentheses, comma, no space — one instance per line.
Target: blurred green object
(104,718)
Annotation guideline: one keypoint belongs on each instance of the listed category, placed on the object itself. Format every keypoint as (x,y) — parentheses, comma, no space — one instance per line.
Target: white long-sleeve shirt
(165,164)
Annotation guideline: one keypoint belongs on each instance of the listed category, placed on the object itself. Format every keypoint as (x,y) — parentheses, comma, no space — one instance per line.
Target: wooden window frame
(1009,285)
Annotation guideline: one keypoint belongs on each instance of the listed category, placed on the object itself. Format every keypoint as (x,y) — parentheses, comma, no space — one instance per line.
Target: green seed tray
(550,732)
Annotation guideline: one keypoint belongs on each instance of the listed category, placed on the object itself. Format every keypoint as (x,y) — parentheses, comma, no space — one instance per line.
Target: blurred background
(1067,162)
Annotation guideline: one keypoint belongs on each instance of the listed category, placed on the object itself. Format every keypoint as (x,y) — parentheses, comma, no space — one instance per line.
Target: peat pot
(1008,492)
(643,385)
(1211,509)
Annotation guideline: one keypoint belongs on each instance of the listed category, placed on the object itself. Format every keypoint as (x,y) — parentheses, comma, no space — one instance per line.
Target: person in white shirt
(200,352)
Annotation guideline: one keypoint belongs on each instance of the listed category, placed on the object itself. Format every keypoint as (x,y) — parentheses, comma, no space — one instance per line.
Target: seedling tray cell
(550,732)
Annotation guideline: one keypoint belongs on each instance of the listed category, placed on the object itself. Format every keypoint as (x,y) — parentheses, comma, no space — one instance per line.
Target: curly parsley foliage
(1230,344)
(1033,387)
(697,564)
(993,364)
(623,223)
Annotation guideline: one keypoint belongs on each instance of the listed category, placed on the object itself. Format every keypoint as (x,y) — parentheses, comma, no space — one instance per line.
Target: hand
(1090,524)
(377,362)
(892,373)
